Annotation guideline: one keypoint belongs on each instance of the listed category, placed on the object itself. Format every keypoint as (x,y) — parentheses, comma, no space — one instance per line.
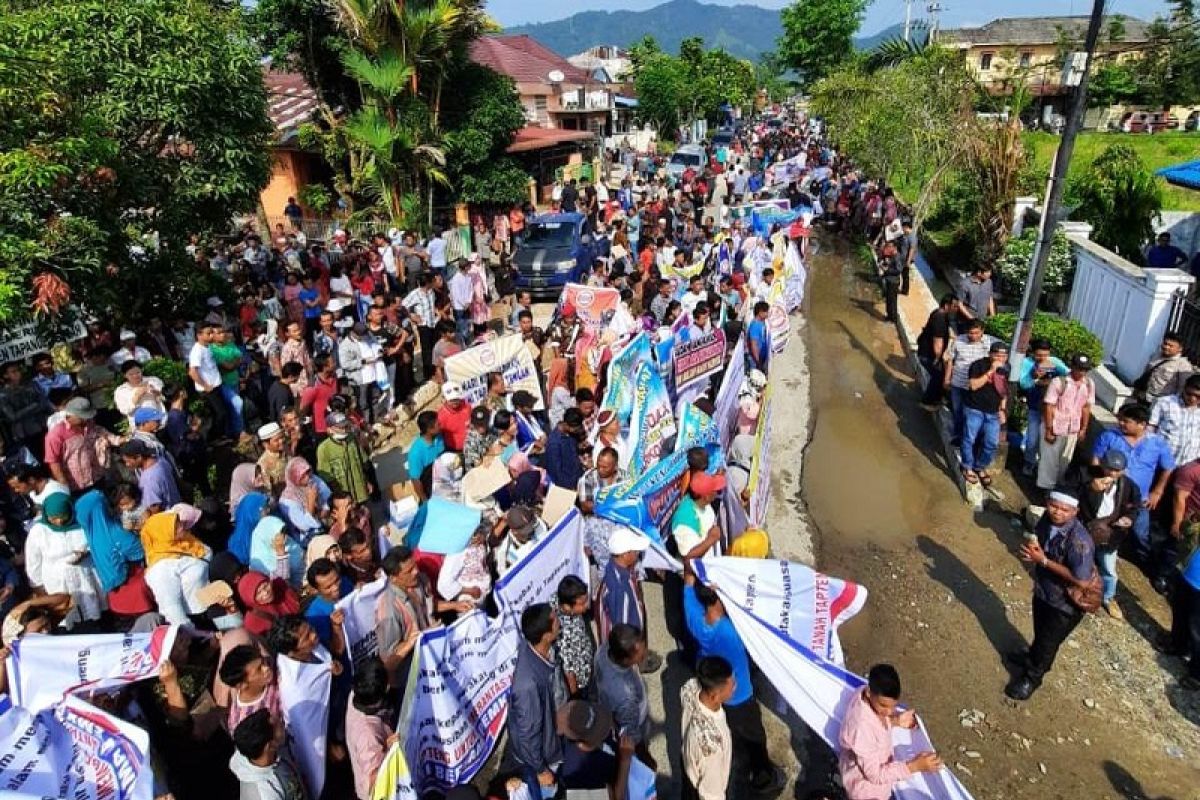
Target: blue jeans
(1106,563)
(958,397)
(981,437)
(462,322)
(1141,533)
(1033,436)
(234,401)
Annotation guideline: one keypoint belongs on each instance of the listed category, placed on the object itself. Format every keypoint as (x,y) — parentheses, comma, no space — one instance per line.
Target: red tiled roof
(523,59)
(534,138)
(290,101)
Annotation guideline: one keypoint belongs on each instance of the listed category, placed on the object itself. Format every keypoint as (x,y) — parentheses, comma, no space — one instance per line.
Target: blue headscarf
(262,550)
(248,514)
(112,546)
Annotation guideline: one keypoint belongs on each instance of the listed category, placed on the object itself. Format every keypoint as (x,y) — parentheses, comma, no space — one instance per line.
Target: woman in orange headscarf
(176,562)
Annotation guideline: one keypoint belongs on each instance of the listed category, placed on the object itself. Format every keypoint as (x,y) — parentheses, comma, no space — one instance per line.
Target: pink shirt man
(1069,398)
(869,769)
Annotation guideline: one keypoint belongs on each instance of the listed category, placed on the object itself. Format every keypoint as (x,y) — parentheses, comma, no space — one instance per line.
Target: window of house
(1026,59)
(539,105)
(985,62)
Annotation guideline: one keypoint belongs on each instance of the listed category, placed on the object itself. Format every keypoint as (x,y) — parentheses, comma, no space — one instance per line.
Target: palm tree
(897,49)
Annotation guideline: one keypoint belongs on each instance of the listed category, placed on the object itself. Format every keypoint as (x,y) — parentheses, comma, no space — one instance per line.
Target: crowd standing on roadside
(221,474)
(1129,490)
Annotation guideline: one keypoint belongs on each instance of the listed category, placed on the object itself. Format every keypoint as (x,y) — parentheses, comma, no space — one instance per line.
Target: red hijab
(261,616)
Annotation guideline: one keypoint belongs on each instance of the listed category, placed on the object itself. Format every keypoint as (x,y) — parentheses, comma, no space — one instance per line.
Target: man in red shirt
(318,395)
(454,417)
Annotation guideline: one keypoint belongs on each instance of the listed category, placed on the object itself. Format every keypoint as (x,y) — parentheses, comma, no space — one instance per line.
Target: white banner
(507,355)
(73,751)
(818,692)
(394,781)
(725,407)
(42,669)
(457,699)
(21,341)
(304,699)
(780,327)
(760,467)
(358,629)
(791,597)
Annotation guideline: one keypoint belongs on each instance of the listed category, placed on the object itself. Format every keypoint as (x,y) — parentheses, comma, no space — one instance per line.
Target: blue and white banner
(819,691)
(73,750)
(652,425)
(457,698)
(358,628)
(697,429)
(646,502)
(43,669)
(621,371)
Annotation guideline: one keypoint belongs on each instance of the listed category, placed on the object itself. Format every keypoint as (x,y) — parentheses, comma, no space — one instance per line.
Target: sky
(881,14)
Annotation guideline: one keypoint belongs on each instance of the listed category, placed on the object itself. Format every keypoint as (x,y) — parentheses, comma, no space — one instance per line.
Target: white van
(688,155)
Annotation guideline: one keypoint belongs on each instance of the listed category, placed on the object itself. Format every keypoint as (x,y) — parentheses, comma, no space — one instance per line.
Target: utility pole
(1054,189)
(907,18)
(934,9)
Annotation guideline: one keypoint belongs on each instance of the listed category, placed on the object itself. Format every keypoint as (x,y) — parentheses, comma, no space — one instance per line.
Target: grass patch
(1156,150)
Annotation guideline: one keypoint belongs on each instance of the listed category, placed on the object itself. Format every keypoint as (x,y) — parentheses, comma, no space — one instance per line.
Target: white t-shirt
(388,254)
(201,358)
(437,252)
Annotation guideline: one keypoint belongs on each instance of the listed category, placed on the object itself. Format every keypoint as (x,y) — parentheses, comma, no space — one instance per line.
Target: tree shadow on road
(949,570)
(1126,785)
(904,401)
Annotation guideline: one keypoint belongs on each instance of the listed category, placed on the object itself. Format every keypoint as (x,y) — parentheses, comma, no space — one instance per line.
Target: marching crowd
(219,475)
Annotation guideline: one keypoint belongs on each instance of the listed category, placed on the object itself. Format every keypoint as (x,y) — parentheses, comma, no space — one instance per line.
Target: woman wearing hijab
(322,546)
(301,503)
(250,512)
(265,601)
(117,556)
(447,477)
(58,560)
(274,553)
(558,389)
(176,562)
(247,478)
(528,483)
(737,463)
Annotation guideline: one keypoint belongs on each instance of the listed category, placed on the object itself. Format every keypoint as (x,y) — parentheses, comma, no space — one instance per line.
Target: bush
(1067,337)
(167,370)
(1013,267)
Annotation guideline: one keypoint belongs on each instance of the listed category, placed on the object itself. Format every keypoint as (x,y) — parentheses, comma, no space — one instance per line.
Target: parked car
(722,137)
(555,252)
(1163,121)
(689,155)
(1192,123)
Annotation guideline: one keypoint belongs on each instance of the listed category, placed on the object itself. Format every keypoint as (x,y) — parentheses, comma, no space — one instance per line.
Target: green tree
(1168,72)
(818,35)
(125,128)
(1121,198)
(662,90)
(1113,82)
(479,123)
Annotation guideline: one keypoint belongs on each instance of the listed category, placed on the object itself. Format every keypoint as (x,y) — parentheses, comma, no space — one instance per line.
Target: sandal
(969,475)
(985,479)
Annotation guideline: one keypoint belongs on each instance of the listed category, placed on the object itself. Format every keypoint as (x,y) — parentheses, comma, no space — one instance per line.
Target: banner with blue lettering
(652,424)
(621,370)
(73,750)
(647,501)
(697,429)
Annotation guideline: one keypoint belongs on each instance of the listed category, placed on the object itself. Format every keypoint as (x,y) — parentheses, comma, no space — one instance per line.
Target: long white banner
(42,669)
(304,698)
(358,628)
(794,598)
(818,692)
(75,751)
(457,699)
(507,355)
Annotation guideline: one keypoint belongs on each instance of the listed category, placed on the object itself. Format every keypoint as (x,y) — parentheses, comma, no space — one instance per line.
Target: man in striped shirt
(964,350)
(620,598)
(1176,417)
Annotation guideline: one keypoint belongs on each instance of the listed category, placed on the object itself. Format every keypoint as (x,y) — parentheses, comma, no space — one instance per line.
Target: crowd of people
(1131,489)
(220,475)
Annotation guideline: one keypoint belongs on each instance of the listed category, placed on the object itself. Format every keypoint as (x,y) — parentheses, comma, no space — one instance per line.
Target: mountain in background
(745,31)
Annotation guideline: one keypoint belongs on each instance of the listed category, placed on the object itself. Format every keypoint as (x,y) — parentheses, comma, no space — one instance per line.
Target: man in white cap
(1064,558)
(129,351)
(454,417)
(273,460)
(620,599)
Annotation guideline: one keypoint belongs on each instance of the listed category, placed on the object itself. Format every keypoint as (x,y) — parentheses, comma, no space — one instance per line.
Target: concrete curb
(919,295)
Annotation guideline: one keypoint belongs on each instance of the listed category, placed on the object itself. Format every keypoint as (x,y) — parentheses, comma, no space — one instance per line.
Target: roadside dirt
(948,596)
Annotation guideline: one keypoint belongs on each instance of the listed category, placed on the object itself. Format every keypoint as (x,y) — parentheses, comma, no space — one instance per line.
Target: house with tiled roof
(1031,49)
(291,102)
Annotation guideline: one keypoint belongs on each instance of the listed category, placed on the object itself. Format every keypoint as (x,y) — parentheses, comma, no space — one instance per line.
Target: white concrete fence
(1126,306)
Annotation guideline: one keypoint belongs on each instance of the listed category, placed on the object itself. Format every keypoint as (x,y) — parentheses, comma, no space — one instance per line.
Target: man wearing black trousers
(1064,556)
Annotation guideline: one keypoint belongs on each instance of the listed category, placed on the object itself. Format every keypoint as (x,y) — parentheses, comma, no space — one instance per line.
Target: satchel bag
(1088,596)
